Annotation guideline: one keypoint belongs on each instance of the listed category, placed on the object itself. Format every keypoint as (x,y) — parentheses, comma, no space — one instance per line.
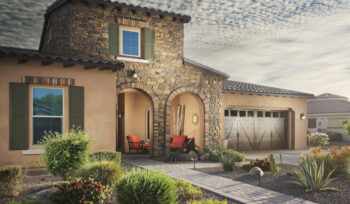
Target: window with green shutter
(19,116)
(113,35)
(149,43)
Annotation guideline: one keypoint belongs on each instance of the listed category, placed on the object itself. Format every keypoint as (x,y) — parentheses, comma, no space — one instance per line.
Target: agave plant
(311,176)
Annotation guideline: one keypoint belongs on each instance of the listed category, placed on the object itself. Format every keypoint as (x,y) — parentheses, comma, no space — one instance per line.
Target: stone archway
(168,107)
(155,102)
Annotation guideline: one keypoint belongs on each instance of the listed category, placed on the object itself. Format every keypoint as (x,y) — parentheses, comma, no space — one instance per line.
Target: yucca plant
(312,177)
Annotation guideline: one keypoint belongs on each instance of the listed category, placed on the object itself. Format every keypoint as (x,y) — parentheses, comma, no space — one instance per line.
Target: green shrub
(311,176)
(214,154)
(263,164)
(237,156)
(228,161)
(208,201)
(105,172)
(335,136)
(10,180)
(317,139)
(25,201)
(145,186)
(186,191)
(80,191)
(336,159)
(106,156)
(65,153)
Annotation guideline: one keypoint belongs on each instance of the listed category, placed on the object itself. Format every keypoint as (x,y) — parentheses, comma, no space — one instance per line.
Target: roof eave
(267,94)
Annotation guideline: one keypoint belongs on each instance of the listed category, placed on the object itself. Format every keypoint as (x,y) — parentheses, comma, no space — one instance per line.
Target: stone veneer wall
(162,78)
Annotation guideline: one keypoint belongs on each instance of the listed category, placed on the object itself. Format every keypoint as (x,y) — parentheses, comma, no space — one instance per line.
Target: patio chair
(178,143)
(137,144)
(191,146)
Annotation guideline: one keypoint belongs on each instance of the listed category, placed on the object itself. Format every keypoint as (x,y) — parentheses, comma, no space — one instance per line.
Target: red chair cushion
(135,141)
(178,141)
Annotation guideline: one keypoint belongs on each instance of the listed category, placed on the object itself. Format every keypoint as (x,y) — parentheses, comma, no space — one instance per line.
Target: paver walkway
(235,190)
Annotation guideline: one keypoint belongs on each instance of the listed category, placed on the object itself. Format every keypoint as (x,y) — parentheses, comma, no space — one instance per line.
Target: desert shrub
(106,155)
(10,180)
(80,191)
(336,159)
(214,154)
(346,127)
(105,172)
(25,201)
(317,139)
(311,176)
(145,186)
(186,191)
(228,160)
(264,164)
(65,153)
(208,201)
(335,136)
(237,156)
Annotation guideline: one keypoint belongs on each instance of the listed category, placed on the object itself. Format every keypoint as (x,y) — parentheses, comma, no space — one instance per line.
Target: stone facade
(162,78)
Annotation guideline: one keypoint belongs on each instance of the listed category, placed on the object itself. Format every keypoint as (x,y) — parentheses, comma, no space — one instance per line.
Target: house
(327,113)
(116,69)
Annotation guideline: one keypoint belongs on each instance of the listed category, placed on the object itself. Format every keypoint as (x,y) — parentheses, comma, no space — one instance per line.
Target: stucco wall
(322,124)
(136,105)
(193,105)
(298,105)
(100,104)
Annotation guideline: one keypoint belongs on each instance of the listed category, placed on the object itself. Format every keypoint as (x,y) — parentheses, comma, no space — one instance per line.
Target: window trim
(135,30)
(32,116)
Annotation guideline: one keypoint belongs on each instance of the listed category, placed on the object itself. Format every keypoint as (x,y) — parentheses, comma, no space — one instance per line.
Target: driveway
(288,156)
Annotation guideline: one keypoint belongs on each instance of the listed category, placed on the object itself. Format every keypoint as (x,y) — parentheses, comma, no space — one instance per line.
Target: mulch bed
(280,183)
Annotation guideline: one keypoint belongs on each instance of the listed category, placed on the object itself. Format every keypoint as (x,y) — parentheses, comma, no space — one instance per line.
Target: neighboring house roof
(247,88)
(328,106)
(59,3)
(24,55)
(204,67)
(330,96)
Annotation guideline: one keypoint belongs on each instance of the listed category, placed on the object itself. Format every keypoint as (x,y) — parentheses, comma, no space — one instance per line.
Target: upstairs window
(130,43)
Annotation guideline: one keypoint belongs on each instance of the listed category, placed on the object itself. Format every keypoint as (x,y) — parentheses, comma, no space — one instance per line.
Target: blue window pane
(40,125)
(47,102)
(130,43)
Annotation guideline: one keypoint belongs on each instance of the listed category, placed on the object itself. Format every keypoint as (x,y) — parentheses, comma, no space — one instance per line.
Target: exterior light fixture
(120,115)
(302,116)
(134,74)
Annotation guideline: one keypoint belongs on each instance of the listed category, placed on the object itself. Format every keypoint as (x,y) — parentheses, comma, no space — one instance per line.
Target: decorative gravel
(280,183)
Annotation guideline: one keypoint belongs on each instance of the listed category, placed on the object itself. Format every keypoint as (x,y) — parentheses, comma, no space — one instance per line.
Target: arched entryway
(186,113)
(135,117)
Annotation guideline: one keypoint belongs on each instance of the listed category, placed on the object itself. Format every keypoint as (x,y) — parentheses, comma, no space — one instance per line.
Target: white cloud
(295,44)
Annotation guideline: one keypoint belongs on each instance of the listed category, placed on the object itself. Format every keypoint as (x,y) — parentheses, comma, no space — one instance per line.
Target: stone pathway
(229,188)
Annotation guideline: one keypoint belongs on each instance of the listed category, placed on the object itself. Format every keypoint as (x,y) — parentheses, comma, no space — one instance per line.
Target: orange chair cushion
(178,141)
(135,141)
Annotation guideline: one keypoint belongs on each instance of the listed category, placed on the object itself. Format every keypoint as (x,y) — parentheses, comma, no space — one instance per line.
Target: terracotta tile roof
(183,18)
(247,88)
(205,67)
(89,63)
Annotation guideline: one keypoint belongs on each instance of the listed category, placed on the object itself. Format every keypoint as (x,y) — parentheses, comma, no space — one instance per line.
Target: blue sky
(301,45)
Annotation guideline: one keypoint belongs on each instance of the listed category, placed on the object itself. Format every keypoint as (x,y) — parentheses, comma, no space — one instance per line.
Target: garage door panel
(255,133)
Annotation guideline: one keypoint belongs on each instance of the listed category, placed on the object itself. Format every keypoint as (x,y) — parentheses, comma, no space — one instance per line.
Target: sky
(301,45)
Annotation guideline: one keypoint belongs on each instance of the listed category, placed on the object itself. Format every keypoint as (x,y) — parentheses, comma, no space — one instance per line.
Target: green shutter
(76,107)
(149,43)
(113,39)
(19,117)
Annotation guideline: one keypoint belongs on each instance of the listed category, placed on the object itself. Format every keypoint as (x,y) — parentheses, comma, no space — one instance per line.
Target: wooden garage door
(255,129)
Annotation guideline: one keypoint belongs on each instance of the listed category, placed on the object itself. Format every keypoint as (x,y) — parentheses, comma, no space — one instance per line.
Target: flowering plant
(80,191)
(263,164)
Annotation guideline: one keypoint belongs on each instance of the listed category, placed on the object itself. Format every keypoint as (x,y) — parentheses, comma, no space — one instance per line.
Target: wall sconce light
(134,74)
(302,116)
(120,115)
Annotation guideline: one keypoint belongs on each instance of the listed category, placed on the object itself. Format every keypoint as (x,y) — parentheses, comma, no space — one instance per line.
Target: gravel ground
(37,185)
(280,183)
